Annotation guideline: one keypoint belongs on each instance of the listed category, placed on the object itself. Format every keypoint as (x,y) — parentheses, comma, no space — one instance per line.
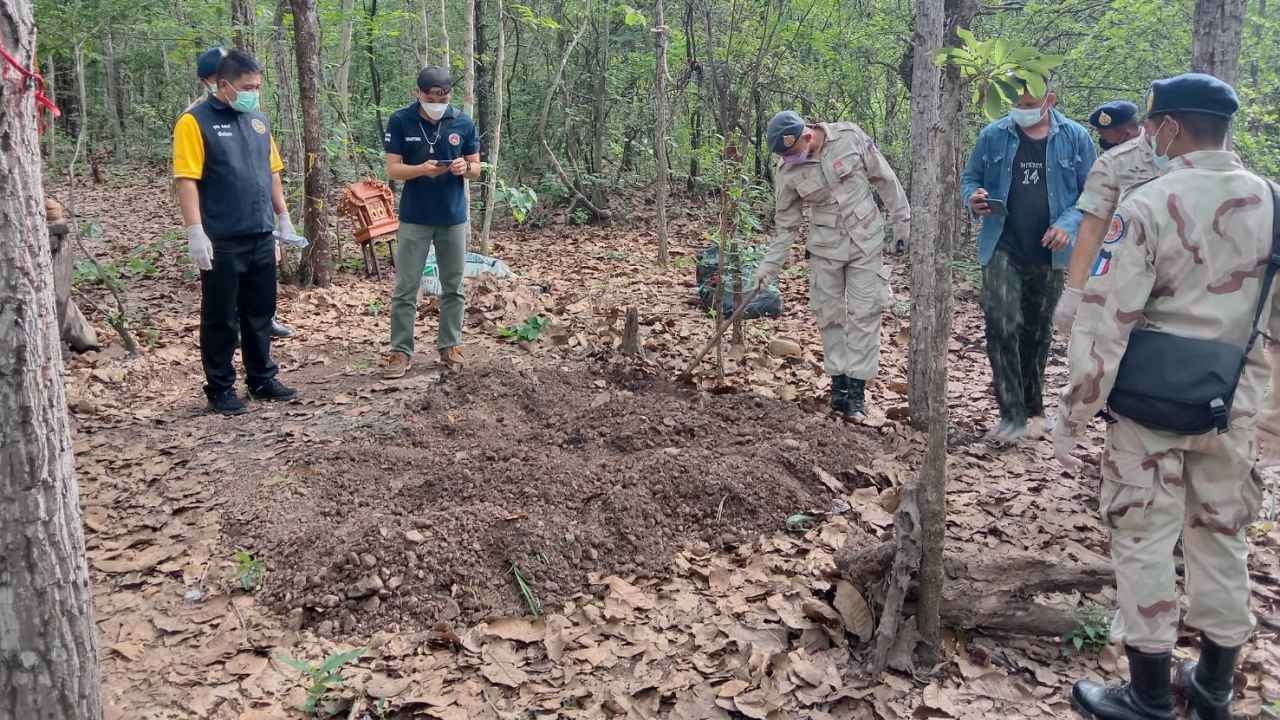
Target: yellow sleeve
(188,149)
(277,165)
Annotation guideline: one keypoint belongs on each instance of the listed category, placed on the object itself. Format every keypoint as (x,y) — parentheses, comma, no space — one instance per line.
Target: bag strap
(1273,264)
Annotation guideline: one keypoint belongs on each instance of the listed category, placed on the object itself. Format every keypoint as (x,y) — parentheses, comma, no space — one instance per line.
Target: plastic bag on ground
(476,265)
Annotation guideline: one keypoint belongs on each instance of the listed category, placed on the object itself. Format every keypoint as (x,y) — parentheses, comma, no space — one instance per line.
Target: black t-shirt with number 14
(1028,205)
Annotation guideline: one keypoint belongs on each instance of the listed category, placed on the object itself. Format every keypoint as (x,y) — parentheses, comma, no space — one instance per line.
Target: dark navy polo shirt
(235,183)
(438,200)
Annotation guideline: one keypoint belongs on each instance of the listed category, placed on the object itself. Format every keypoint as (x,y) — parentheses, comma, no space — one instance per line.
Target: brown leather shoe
(452,357)
(395,365)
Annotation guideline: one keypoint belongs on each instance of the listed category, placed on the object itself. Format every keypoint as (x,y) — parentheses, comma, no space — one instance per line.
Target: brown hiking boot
(395,365)
(452,357)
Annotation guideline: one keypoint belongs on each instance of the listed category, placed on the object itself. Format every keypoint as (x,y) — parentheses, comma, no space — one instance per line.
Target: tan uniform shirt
(1113,173)
(836,186)
(1188,252)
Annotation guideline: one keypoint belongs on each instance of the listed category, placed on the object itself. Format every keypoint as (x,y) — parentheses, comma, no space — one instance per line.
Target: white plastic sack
(476,265)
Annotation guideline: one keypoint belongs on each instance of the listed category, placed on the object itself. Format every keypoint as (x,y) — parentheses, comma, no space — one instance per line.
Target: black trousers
(1018,303)
(239,290)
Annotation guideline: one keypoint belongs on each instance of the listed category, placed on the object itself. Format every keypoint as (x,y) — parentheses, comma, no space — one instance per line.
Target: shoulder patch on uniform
(1116,231)
(258,126)
(455,139)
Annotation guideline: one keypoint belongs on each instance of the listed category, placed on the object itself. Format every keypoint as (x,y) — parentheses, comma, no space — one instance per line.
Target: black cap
(1113,114)
(1192,93)
(434,77)
(207,62)
(784,130)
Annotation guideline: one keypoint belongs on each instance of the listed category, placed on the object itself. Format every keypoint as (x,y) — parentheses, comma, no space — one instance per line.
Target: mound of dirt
(558,473)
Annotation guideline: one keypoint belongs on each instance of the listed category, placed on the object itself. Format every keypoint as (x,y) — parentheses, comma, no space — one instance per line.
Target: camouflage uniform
(848,282)
(1115,172)
(1187,252)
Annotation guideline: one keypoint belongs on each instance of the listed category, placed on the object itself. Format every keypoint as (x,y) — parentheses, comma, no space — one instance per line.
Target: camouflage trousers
(1157,486)
(1017,304)
(847,299)
(1269,418)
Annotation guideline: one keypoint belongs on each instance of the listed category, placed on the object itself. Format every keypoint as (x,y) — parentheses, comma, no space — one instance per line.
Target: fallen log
(992,595)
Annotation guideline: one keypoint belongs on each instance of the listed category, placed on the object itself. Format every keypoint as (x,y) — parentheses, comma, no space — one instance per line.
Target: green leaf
(967,37)
(1010,92)
(299,665)
(1078,642)
(993,106)
(335,661)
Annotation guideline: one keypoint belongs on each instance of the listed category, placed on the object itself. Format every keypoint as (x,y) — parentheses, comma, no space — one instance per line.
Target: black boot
(272,390)
(1207,684)
(840,394)
(226,403)
(1147,696)
(857,398)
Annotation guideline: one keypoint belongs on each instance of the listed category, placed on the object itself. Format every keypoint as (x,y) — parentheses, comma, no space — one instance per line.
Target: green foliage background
(830,59)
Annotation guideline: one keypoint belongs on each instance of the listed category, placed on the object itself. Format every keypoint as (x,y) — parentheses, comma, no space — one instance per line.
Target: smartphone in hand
(997,206)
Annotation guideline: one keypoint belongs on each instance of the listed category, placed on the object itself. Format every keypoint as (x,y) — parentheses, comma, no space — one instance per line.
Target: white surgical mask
(435,111)
(1161,161)
(795,158)
(1026,117)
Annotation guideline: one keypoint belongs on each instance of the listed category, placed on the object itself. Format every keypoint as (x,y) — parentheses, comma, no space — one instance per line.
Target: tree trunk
(113,94)
(1216,34)
(314,269)
(695,112)
(660,125)
(425,55)
(930,318)
(446,61)
(51,133)
(342,73)
(48,656)
(469,96)
(542,130)
(495,142)
(599,112)
(242,23)
(375,80)
(286,103)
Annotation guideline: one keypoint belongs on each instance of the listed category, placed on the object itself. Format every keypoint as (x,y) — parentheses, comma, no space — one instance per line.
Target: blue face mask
(1158,161)
(1026,117)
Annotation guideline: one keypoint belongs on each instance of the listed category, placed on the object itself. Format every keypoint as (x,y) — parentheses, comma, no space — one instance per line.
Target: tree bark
(445,60)
(286,103)
(425,55)
(51,134)
(342,73)
(930,316)
(375,79)
(495,142)
(660,125)
(600,113)
(314,269)
(1215,33)
(601,213)
(242,23)
(48,655)
(469,96)
(114,94)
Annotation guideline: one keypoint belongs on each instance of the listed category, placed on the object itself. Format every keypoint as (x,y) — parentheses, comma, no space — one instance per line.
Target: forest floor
(423,519)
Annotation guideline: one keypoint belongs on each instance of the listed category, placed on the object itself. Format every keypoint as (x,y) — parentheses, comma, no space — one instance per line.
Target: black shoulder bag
(1186,385)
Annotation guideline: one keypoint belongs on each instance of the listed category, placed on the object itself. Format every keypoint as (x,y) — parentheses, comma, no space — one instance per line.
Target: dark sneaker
(226,403)
(857,408)
(279,330)
(273,390)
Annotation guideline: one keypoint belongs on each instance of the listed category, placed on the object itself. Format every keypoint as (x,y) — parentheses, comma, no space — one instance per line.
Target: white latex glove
(199,247)
(1063,444)
(284,230)
(1065,314)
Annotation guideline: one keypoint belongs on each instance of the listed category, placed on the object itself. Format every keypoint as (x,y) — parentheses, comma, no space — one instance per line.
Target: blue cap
(1113,114)
(1192,93)
(207,63)
(784,130)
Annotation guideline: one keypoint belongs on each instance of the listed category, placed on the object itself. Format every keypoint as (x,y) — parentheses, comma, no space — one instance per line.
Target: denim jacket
(1068,157)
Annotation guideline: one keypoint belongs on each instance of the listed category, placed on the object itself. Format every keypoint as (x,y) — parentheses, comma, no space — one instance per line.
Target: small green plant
(250,571)
(362,365)
(527,331)
(1092,631)
(684,262)
(580,216)
(324,677)
(375,307)
(520,199)
(615,255)
(151,337)
(352,264)
(795,271)
(526,590)
(1000,73)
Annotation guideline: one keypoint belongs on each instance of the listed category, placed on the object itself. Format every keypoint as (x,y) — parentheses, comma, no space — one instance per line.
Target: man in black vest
(227,172)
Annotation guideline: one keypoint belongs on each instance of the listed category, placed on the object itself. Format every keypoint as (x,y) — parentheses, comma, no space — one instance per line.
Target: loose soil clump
(561,473)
